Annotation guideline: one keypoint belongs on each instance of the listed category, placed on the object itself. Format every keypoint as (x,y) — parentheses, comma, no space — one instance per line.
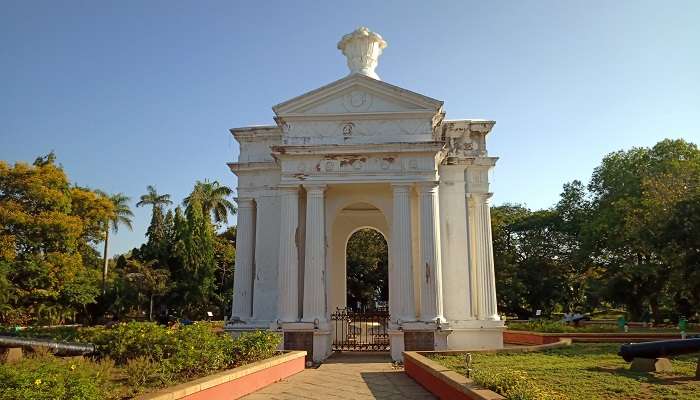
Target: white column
(243,274)
(315,255)
(431,266)
(454,245)
(404,307)
(484,257)
(288,301)
(475,293)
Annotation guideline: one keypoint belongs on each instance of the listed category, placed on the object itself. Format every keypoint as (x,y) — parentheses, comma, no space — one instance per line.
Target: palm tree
(213,197)
(152,198)
(120,216)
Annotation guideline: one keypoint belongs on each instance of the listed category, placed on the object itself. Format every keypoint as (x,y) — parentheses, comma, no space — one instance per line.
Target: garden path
(347,376)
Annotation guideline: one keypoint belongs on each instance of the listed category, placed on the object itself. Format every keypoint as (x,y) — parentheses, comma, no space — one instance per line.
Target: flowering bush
(43,376)
(146,354)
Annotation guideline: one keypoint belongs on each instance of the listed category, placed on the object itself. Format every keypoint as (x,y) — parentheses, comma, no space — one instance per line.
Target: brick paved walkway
(347,376)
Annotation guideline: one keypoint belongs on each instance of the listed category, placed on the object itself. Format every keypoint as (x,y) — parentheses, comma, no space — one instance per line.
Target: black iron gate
(360,330)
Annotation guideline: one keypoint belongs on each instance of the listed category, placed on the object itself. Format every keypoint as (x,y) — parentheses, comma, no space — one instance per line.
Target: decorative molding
(362,48)
(236,167)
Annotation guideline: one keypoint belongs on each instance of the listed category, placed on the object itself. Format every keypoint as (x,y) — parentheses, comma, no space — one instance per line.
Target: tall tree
(156,233)
(152,198)
(200,262)
(121,215)
(47,233)
(634,195)
(213,198)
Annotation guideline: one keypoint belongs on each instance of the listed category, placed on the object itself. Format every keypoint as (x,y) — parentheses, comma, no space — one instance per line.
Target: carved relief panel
(353,131)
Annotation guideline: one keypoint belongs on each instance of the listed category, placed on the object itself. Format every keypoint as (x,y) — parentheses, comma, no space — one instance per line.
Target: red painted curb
(250,383)
(537,338)
(432,383)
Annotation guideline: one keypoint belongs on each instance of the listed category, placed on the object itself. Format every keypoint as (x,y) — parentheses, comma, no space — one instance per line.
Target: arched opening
(359,256)
(367,271)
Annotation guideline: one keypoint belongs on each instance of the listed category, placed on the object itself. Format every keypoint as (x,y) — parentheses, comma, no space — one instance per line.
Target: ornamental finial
(362,48)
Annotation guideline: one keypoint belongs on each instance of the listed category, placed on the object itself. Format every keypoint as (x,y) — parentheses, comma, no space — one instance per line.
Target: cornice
(253,133)
(236,167)
(322,149)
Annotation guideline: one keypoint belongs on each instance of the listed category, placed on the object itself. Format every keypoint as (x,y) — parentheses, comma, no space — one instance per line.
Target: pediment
(357,94)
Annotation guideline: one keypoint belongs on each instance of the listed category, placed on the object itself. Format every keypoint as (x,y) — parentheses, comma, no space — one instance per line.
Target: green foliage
(213,198)
(47,230)
(140,371)
(254,346)
(367,268)
(559,327)
(44,376)
(181,353)
(148,355)
(512,384)
(630,240)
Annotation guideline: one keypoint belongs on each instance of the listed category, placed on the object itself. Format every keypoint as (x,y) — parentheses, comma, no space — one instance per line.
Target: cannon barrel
(659,349)
(58,348)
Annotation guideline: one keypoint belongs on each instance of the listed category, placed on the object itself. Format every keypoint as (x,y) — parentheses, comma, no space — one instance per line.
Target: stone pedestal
(416,336)
(651,365)
(316,340)
(475,335)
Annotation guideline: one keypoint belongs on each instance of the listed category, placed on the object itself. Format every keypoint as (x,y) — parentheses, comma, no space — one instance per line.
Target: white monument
(360,153)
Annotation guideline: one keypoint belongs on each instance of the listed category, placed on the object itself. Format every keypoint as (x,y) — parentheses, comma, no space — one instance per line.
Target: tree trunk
(655,311)
(106,263)
(150,310)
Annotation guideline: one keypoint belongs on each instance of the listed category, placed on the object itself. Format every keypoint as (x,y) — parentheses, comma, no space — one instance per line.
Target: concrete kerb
(211,381)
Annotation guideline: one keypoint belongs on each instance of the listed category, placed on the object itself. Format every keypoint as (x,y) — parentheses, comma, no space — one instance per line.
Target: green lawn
(581,371)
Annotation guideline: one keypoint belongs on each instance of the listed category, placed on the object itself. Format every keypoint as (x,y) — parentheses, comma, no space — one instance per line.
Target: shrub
(131,340)
(558,327)
(140,371)
(42,376)
(150,355)
(198,350)
(255,346)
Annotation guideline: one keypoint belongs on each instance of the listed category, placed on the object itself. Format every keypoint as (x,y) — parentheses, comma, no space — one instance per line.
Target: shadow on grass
(643,376)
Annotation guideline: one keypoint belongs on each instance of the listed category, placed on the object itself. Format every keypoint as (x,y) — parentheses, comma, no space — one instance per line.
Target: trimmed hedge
(145,355)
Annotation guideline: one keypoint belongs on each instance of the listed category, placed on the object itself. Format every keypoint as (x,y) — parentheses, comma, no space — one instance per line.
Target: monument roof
(392,93)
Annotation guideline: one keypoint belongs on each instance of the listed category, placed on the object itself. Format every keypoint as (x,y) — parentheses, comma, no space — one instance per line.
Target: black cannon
(57,348)
(659,349)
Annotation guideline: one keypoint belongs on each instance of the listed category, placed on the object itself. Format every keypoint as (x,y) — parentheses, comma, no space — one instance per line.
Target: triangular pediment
(357,94)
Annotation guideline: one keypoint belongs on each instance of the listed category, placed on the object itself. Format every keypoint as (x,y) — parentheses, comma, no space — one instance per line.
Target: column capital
(427,186)
(287,190)
(245,202)
(484,197)
(315,187)
(402,187)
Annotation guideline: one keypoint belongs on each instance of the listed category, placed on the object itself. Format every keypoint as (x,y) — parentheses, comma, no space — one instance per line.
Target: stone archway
(349,219)
(367,270)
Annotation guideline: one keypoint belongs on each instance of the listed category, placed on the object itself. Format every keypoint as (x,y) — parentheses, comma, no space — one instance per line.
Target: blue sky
(132,93)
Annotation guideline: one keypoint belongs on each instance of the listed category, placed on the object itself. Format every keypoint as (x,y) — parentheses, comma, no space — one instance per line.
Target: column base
(416,336)
(315,340)
(475,335)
